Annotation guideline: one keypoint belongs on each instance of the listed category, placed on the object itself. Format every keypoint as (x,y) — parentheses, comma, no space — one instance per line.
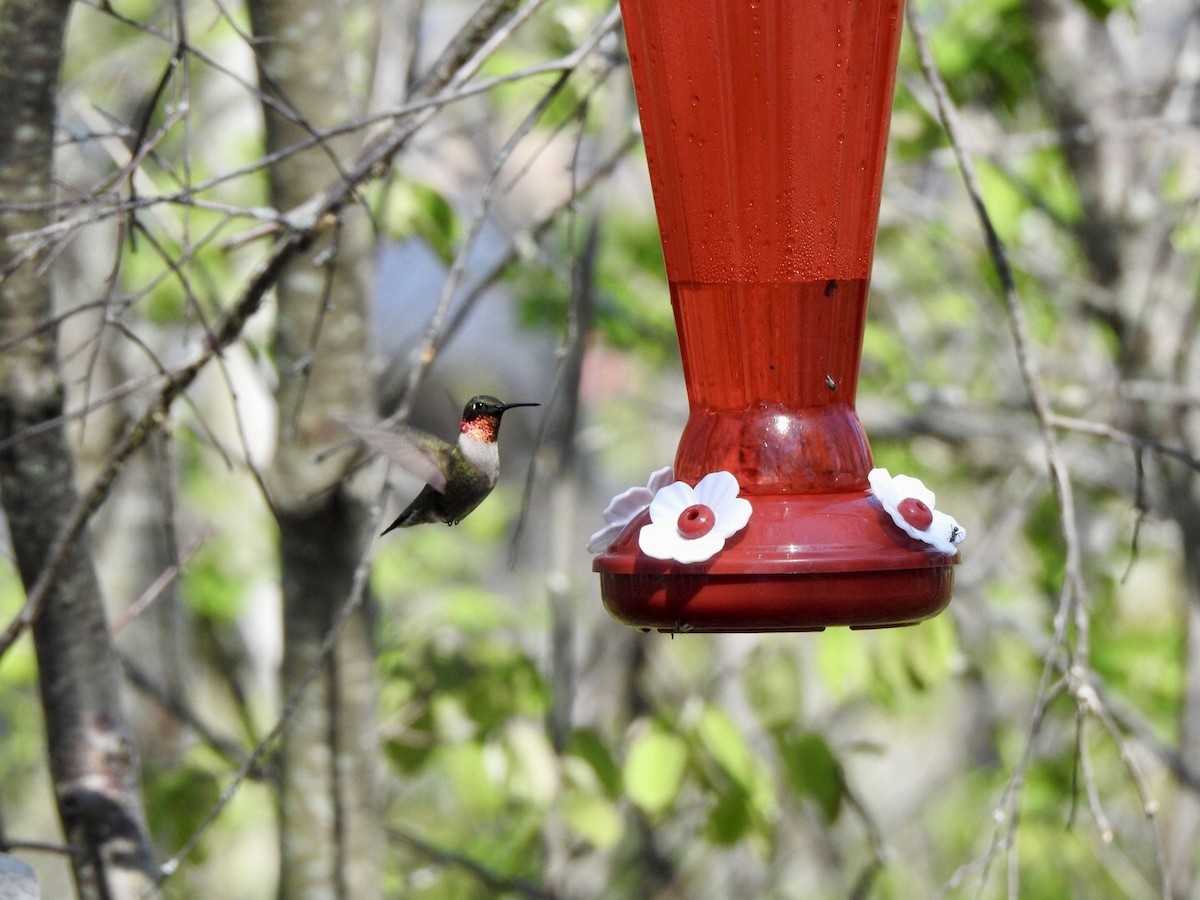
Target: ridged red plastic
(765,124)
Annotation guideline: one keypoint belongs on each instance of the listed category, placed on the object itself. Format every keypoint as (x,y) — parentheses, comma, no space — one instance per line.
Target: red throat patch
(481,428)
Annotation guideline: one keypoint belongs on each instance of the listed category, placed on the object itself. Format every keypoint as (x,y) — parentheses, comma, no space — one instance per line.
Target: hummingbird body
(458,476)
(472,469)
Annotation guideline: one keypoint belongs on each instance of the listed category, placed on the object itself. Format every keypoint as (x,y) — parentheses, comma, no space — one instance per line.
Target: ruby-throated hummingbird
(458,476)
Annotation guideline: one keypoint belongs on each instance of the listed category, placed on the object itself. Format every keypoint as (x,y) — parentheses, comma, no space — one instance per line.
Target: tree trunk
(93,763)
(331,837)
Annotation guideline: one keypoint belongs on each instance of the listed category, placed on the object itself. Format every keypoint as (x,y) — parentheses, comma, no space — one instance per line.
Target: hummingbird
(458,476)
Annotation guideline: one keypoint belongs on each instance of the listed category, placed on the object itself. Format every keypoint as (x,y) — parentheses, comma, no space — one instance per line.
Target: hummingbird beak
(508,406)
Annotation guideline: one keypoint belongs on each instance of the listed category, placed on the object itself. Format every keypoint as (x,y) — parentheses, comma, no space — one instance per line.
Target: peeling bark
(331,841)
(92,758)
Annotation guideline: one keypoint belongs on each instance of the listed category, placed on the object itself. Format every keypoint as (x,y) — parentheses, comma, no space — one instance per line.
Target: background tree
(92,758)
(329,764)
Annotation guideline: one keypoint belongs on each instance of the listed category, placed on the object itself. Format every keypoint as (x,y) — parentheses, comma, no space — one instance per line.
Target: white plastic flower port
(691,525)
(626,506)
(912,507)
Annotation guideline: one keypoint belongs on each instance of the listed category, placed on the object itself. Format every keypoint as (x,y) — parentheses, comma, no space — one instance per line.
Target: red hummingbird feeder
(765,124)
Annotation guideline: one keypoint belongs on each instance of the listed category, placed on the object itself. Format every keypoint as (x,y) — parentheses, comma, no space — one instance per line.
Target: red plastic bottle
(765,124)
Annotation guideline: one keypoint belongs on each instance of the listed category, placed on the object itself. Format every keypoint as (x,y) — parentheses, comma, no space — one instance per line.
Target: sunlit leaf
(532,762)
(654,769)
(472,608)
(844,663)
(465,765)
(928,651)
(725,743)
(594,818)
(412,747)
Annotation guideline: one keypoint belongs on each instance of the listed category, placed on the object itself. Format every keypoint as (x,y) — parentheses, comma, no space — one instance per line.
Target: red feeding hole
(696,521)
(915,513)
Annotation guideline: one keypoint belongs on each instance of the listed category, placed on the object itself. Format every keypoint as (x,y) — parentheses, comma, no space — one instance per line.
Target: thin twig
(254,761)
(480,872)
(1083,426)
(1072,607)
(164,580)
(423,356)
(1018,323)
(225,747)
(8,846)
(140,431)
(304,224)
(1092,702)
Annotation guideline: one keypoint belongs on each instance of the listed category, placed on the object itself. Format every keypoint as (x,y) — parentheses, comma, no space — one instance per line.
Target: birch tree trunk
(93,762)
(331,837)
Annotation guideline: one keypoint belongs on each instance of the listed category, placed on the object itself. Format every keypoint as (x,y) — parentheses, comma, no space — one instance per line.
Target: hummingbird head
(481,417)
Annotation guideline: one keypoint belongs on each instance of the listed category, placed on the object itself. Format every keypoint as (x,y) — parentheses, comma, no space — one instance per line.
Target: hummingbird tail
(416,513)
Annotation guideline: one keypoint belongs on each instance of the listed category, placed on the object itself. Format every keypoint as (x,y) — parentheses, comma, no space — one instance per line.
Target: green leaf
(411,209)
(1005,201)
(178,799)
(594,818)
(588,746)
(929,651)
(532,764)
(210,588)
(813,771)
(477,792)
(722,740)
(18,666)
(411,750)
(474,610)
(771,680)
(844,663)
(1102,9)
(502,682)
(654,769)
(730,818)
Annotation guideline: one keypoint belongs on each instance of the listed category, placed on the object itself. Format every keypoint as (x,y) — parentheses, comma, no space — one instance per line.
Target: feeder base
(683,604)
(803,563)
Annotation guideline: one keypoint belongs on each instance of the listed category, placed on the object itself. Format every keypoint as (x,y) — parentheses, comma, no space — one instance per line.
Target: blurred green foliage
(632,306)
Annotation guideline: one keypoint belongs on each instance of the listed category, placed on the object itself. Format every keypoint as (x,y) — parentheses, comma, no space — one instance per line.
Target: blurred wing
(419,454)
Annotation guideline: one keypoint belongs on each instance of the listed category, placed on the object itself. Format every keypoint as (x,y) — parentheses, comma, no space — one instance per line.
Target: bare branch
(476,870)
(139,432)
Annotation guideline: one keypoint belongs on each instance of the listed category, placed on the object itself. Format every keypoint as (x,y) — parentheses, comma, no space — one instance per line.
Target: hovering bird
(458,476)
